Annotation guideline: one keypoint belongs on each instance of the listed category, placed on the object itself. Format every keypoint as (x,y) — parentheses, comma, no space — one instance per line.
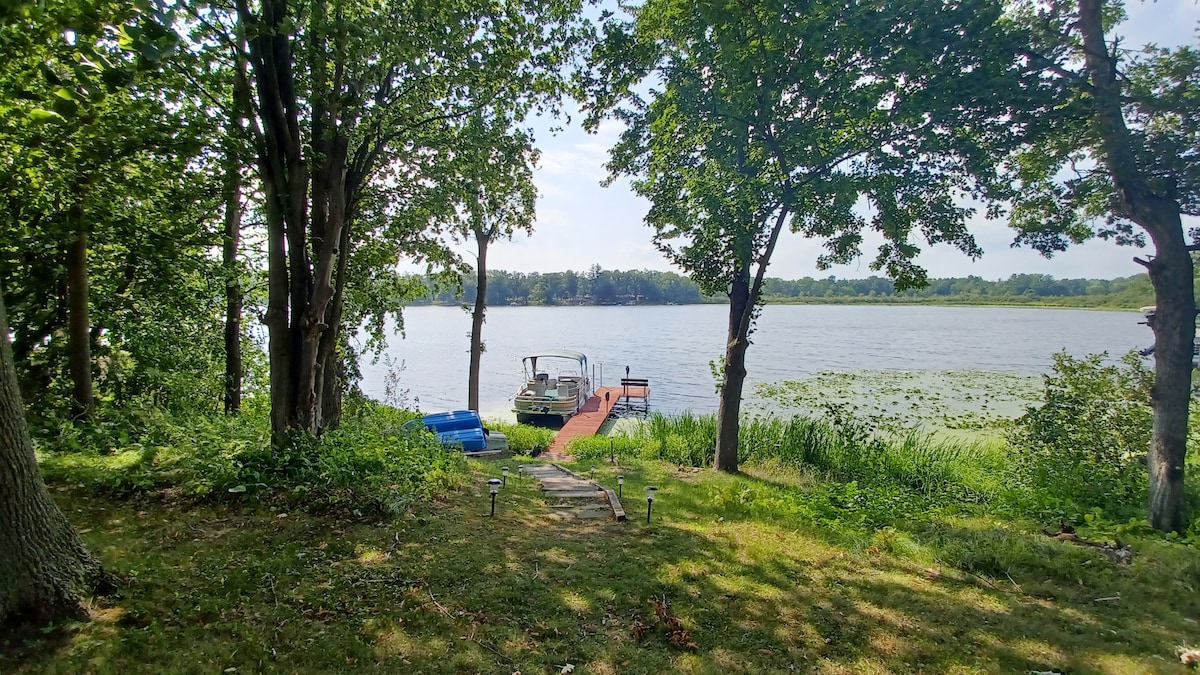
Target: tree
(771,116)
(44,565)
(101,184)
(338,91)
(232,195)
(1126,139)
(500,199)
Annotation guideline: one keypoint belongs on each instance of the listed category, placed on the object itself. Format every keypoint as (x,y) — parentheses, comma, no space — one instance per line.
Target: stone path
(571,496)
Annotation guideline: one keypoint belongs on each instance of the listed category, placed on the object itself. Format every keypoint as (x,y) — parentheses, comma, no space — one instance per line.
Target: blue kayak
(452,420)
(460,429)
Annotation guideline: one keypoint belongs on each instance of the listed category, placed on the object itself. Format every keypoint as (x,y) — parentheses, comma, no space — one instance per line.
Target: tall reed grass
(840,448)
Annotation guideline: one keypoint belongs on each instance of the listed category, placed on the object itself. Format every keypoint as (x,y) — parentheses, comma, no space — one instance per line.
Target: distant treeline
(645,287)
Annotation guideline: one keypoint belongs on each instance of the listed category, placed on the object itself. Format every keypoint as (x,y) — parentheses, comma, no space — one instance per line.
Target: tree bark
(44,565)
(332,385)
(477,315)
(729,409)
(233,286)
(1170,272)
(314,311)
(744,295)
(79,342)
(1174,337)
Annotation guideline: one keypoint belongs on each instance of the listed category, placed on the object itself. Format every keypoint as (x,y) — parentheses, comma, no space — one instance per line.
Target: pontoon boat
(556,386)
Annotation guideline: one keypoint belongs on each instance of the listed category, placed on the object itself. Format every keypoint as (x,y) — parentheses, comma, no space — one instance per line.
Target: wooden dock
(591,417)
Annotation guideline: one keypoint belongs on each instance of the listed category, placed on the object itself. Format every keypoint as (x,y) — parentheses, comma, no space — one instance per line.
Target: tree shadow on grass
(449,589)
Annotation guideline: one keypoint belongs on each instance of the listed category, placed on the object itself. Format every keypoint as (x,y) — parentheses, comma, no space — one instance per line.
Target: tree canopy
(826,120)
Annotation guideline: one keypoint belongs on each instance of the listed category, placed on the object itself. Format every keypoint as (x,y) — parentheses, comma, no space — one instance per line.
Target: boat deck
(591,417)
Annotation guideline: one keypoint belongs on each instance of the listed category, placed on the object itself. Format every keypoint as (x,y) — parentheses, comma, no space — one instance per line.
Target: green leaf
(42,115)
(151,52)
(65,107)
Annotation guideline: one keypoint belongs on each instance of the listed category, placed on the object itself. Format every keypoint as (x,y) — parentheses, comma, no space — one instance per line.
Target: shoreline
(822,302)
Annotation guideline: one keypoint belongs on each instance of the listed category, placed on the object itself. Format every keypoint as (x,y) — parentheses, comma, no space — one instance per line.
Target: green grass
(771,571)
(838,448)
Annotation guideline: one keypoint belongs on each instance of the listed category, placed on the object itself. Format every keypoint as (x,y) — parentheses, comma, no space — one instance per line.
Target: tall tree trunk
(44,565)
(79,341)
(729,408)
(279,343)
(233,286)
(285,181)
(1170,273)
(1174,337)
(477,315)
(332,385)
(314,315)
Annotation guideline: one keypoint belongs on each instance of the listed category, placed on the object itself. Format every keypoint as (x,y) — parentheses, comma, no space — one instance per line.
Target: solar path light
(504,472)
(494,488)
(650,490)
(620,484)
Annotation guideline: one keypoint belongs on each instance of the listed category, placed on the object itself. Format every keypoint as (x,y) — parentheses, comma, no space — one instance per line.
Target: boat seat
(551,383)
(564,391)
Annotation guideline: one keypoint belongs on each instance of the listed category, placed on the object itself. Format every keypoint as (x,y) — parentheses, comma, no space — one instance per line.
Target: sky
(580,223)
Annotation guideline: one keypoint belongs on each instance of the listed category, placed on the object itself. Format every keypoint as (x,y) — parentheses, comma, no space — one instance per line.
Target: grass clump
(368,466)
(837,447)
(522,438)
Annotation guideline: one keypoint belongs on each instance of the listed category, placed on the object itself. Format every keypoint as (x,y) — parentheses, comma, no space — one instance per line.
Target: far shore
(907,302)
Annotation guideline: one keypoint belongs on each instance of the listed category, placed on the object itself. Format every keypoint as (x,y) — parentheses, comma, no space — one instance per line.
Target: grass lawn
(755,587)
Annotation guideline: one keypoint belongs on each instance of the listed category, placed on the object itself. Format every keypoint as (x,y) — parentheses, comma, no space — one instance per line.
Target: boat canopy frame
(531,360)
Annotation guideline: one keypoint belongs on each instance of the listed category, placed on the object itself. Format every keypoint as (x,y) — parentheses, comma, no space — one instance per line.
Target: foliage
(1063,197)
(124,166)
(367,467)
(763,124)
(522,437)
(1115,158)
(609,287)
(1084,446)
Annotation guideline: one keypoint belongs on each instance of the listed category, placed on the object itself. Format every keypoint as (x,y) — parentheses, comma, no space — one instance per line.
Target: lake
(673,345)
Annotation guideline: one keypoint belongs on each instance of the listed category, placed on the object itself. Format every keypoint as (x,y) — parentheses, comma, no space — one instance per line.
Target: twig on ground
(436,603)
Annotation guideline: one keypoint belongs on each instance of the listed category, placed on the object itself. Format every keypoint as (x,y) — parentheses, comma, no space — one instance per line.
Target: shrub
(1081,449)
(600,448)
(368,466)
(522,437)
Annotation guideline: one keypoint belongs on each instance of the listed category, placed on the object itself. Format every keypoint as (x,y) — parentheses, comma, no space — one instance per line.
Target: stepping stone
(586,513)
(589,514)
(559,486)
(573,493)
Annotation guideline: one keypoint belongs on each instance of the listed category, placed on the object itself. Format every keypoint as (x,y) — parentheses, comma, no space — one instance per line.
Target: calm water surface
(673,345)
